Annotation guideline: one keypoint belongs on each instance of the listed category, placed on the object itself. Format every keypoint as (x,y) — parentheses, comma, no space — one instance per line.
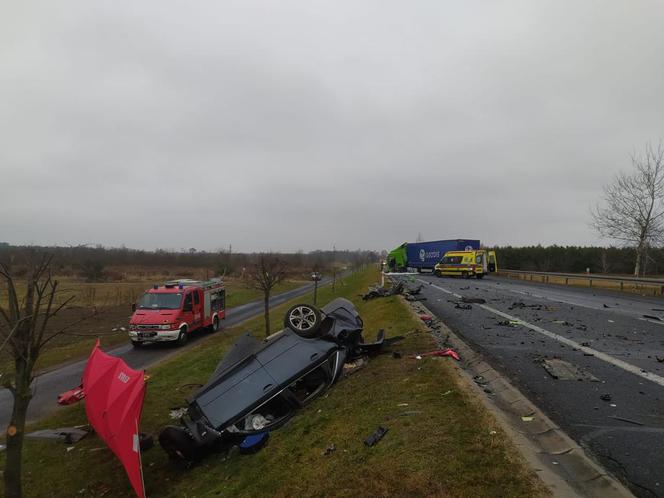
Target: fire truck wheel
(136,344)
(215,324)
(182,338)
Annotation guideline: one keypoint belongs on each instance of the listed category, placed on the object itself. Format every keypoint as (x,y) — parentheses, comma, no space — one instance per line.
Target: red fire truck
(172,311)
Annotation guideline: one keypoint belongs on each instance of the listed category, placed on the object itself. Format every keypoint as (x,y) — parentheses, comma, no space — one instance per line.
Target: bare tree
(633,208)
(264,275)
(23,328)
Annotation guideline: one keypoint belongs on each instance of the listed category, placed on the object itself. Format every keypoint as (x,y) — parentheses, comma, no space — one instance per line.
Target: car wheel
(137,344)
(304,320)
(182,338)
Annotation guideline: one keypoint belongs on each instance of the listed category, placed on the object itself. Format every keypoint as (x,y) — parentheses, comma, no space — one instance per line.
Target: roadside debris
(473,300)
(660,359)
(396,289)
(563,370)
(67,435)
(72,396)
(441,352)
(508,323)
(376,436)
(461,306)
(329,450)
(528,418)
(177,413)
(605,397)
(653,317)
(254,443)
(353,366)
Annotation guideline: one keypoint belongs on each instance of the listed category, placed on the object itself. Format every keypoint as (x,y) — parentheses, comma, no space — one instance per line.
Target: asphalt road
(603,334)
(46,387)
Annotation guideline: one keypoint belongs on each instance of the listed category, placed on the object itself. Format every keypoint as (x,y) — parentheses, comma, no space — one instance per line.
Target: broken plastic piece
(253,443)
(67,435)
(72,396)
(376,436)
(441,352)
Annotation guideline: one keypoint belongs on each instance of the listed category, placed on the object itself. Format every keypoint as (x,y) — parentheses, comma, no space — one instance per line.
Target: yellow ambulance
(467,264)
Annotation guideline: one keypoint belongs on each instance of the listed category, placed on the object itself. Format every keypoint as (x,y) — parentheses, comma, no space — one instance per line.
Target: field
(441,442)
(112,301)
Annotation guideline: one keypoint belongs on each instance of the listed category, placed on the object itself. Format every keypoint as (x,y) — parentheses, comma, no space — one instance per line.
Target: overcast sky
(298,125)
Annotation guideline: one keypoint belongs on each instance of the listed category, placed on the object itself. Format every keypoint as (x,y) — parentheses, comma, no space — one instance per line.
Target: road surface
(46,387)
(617,412)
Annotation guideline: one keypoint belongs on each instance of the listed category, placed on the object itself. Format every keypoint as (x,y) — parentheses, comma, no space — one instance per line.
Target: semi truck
(425,255)
(172,311)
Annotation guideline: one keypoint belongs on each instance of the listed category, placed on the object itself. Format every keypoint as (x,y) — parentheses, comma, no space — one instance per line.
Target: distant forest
(92,261)
(573,259)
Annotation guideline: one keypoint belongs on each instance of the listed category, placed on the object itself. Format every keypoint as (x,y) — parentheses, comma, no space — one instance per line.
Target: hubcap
(302,318)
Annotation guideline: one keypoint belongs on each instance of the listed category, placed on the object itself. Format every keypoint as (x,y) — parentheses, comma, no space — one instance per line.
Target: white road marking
(628,367)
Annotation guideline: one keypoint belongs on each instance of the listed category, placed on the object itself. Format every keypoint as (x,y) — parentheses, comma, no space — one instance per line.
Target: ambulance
(467,264)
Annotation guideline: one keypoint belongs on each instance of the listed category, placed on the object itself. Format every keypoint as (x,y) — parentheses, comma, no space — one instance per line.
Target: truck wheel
(183,337)
(479,276)
(137,344)
(304,320)
(215,324)
(465,275)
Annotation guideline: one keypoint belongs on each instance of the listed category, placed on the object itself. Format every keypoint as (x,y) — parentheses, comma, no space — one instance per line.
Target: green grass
(68,347)
(446,450)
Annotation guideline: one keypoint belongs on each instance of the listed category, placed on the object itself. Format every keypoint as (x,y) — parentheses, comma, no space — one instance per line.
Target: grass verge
(440,442)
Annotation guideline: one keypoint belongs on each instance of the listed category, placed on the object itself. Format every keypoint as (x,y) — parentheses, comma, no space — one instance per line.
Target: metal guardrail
(589,277)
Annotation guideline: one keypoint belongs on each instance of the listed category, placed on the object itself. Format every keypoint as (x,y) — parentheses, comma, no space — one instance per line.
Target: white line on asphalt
(628,367)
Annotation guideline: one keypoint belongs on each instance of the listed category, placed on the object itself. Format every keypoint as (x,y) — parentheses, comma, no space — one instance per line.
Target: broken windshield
(160,301)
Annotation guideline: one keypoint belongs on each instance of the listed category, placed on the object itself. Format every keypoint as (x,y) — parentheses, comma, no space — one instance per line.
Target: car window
(187,301)
(197,299)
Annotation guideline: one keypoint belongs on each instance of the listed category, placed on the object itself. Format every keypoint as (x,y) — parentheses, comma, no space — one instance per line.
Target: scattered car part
(67,435)
(254,443)
(376,436)
(72,396)
(441,352)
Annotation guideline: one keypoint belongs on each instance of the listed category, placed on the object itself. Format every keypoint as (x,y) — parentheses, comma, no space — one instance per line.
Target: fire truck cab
(172,311)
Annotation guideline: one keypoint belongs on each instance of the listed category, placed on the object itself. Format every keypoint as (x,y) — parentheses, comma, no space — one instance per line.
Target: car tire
(182,337)
(137,344)
(179,445)
(303,319)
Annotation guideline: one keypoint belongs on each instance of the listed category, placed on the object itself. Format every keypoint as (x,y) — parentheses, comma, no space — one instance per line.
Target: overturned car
(259,385)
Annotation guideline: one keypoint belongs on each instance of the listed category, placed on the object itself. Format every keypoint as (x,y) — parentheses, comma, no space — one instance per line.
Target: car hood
(147,317)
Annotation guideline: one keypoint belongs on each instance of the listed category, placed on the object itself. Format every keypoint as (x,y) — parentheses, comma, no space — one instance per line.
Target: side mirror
(133,307)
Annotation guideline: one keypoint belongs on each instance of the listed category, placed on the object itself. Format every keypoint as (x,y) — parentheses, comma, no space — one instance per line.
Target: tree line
(91,262)
(577,259)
